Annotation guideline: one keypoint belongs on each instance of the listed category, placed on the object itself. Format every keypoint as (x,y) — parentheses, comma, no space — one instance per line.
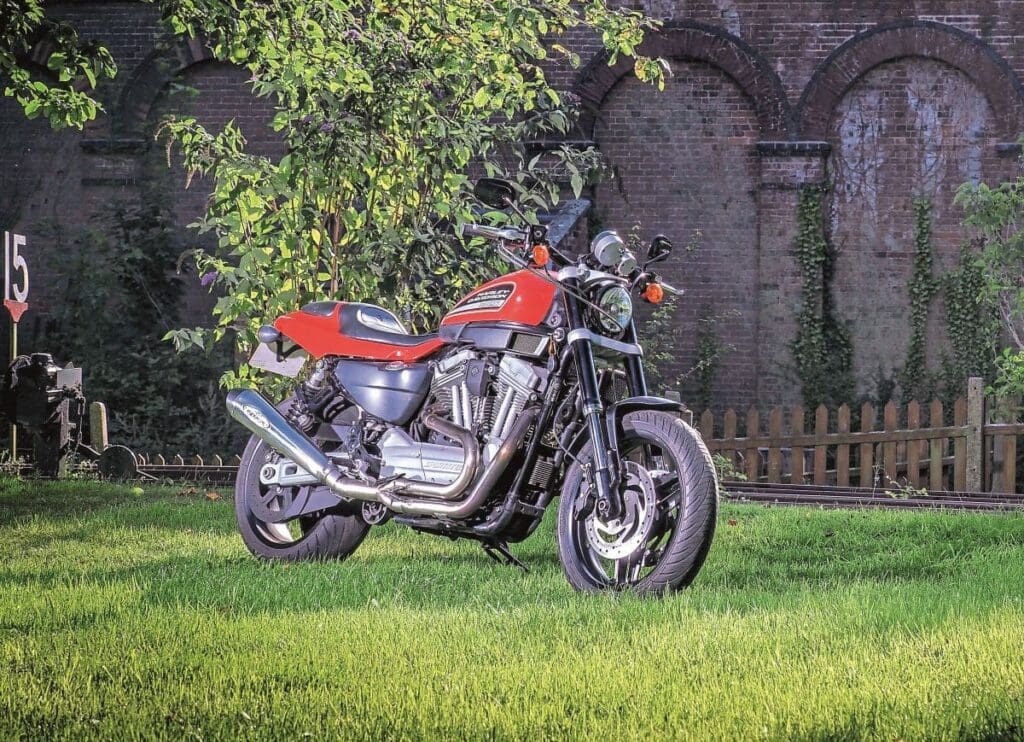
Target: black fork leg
(609,500)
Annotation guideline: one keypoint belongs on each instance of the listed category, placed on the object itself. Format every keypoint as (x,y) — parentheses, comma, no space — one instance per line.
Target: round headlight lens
(616,301)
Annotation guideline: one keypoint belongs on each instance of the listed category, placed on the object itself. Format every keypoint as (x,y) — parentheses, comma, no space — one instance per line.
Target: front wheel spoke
(627,570)
(634,569)
(620,571)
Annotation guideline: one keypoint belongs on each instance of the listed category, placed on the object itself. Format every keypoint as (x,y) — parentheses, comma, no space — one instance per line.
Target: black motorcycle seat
(377,324)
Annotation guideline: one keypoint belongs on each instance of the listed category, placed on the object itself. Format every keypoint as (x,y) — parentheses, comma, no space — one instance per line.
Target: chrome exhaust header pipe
(256,413)
(483,486)
(470,463)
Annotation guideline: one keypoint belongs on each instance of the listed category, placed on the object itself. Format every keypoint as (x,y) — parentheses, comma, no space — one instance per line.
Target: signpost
(16,302)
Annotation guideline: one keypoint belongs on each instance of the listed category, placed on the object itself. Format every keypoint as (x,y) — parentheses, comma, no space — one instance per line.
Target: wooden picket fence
(914,449)
(974,454)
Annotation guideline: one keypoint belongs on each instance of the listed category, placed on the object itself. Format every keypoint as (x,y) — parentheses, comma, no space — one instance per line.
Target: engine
(481,393)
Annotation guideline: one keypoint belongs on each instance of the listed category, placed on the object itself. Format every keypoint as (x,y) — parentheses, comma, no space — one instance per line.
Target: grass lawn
(144,616)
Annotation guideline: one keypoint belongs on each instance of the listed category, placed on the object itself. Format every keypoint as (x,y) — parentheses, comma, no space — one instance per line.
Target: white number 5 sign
(15,275)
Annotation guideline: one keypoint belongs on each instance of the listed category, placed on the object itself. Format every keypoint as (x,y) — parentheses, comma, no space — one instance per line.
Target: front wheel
(670,491)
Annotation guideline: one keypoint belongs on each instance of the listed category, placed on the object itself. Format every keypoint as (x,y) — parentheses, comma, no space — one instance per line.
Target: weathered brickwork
(692,175)
(911,129)
(884,102)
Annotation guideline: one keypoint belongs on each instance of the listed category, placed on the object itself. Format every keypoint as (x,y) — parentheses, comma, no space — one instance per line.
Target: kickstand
(498,551)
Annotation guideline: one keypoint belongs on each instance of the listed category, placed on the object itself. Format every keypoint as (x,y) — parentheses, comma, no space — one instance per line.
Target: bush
(119,296)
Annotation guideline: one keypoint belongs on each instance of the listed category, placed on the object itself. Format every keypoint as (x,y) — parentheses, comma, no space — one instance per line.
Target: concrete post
(98,426)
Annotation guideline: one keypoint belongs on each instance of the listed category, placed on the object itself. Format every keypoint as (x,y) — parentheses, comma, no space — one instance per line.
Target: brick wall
(686,167)
(883,101)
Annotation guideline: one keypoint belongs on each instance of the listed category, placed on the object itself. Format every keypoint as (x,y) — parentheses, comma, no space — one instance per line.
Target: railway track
(770,494)
(852,497)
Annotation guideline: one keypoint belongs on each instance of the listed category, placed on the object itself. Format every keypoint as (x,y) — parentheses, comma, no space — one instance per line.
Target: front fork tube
(635,377)
(605,461)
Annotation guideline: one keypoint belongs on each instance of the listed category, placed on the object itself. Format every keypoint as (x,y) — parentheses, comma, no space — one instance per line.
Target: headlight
(616,301)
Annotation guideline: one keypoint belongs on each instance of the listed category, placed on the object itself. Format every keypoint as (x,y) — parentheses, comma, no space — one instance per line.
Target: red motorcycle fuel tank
(522,297)
(364,331)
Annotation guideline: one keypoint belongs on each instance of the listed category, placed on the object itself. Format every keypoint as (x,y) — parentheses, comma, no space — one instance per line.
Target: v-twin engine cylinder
(479,392)
(481,395)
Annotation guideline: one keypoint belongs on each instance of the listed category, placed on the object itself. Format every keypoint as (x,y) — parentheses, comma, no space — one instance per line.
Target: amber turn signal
(541,255)
(654,293)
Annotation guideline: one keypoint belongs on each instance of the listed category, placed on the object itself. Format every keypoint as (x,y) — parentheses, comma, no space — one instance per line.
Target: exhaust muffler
(252,409)
(256,413)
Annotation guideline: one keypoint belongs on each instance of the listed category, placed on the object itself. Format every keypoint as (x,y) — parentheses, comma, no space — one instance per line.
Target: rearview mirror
(494,192)
(659,249)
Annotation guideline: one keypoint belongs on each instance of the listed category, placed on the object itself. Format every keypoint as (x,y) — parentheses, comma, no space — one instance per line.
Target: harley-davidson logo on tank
(491,299)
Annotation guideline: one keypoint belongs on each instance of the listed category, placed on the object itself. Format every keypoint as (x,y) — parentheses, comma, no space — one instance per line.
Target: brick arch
(150,78)
(702,43)
(869,49)
(38,57)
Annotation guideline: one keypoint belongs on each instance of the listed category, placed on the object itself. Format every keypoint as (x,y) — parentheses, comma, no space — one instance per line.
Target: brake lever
(510,256)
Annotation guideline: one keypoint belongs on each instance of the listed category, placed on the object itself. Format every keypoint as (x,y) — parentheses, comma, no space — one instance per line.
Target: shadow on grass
(467,578)
(73,498)
(767,553)
(111,504)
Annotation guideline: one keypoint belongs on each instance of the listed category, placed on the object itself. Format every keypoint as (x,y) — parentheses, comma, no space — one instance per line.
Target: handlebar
(509,234)
(669,289)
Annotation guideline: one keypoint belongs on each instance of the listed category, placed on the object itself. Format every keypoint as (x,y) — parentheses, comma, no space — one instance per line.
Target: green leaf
(577,184)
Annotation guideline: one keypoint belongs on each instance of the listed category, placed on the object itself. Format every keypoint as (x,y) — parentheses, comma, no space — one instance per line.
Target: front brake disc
(619,538)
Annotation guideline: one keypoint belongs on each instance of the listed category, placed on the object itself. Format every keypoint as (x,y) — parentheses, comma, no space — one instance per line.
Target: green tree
(996,213)
(386,108)
(77,66)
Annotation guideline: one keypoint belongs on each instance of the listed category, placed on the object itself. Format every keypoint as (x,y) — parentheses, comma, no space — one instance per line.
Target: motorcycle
(471,431)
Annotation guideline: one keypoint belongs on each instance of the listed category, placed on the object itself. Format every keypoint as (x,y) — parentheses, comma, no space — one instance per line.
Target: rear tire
(330,536)
(686,513)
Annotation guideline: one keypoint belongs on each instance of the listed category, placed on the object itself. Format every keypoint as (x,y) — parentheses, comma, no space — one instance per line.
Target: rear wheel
(670,491)
(328,536)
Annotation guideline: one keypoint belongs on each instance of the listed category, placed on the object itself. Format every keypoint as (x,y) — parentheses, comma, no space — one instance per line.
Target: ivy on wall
(922,288)
(822,349)
(971,321)
(709,350)
(663,347)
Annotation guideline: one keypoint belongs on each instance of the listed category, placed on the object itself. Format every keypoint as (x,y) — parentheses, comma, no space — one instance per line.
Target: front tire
(330,536)
(671,493)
